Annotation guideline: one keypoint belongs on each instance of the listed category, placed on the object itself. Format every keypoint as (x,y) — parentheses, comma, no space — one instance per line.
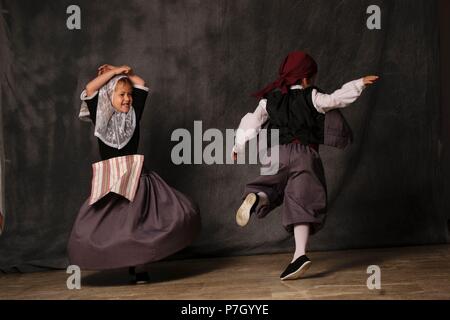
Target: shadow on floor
(159,272)
(349,261)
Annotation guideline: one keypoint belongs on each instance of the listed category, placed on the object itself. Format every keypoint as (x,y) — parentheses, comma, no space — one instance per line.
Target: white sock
(301,234)
(263,200)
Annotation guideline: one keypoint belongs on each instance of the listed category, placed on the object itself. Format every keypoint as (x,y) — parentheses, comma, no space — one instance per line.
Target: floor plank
(406,273)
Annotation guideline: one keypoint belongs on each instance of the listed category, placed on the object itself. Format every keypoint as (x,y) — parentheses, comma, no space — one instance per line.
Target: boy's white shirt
(251,123)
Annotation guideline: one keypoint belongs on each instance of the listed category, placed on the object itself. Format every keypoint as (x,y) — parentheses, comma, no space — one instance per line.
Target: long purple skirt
(116,233)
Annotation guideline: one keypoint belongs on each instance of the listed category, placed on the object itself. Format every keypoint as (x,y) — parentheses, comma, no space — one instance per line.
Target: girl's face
(122,98)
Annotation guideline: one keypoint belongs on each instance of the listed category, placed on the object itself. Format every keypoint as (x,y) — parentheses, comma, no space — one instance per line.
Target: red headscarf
(296,66)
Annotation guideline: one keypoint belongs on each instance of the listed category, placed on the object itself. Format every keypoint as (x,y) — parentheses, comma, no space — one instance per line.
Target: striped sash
(119,175)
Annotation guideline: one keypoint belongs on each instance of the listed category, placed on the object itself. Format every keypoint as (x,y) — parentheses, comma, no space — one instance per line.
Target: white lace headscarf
(112,127)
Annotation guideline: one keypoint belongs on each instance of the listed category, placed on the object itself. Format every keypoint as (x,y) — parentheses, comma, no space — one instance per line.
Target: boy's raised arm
(343,96)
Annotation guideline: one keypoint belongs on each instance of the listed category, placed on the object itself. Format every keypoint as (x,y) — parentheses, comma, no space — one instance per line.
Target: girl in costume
(305,117)
(132,216)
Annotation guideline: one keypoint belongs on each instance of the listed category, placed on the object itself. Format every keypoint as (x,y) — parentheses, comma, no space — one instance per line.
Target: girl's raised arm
(104,77)
(135,79)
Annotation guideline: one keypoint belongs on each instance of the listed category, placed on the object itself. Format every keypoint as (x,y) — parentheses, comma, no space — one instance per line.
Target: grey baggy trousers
(299,184)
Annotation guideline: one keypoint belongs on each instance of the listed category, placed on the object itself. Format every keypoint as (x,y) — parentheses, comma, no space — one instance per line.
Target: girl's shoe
(142,278)
(138,278)
(246,209)
(296,269)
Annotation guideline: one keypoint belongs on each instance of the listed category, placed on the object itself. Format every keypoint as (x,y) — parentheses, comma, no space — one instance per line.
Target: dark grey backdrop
(202,59)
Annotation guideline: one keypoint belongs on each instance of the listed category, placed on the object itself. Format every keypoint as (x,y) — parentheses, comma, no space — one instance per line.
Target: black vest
(295,116)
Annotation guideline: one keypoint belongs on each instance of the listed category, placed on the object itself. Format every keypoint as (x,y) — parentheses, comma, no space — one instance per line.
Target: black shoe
(138,278)
(296,269)
(246,209)
(142,277)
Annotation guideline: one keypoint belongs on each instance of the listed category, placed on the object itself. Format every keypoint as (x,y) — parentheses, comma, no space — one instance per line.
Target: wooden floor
(406,273)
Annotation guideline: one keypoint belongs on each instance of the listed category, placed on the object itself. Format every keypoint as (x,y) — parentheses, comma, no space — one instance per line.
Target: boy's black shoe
(246,209)
(296,269)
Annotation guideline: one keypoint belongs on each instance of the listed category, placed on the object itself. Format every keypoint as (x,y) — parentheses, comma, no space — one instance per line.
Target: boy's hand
(368,80)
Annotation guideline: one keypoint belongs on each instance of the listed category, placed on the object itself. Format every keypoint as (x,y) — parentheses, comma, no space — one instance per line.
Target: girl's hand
(123,69)
(105,68)
(368,80)
(105,73)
